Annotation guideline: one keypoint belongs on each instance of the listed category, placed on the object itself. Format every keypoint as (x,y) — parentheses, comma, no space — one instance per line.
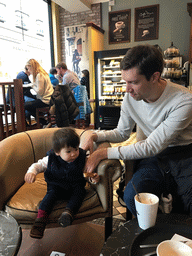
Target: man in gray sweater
(163,111)
(68,76)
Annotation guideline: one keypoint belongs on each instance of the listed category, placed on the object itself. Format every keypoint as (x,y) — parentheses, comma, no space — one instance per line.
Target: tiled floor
(119,212)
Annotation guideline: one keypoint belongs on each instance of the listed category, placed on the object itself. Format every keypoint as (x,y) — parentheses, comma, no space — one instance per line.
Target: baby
(63,171)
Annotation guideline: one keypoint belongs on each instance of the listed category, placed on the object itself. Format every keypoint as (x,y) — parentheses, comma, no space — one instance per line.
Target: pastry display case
(109,87)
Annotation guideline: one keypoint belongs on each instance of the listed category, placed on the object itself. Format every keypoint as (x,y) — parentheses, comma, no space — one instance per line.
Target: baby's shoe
(66,218)
(38,228)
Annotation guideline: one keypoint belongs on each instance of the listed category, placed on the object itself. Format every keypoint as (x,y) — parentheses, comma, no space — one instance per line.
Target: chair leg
(108,227)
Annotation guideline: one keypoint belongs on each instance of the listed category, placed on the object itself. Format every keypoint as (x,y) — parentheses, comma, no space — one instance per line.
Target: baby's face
(69,154)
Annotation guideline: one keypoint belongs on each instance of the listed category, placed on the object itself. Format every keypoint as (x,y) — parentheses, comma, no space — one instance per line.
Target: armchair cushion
(24,204)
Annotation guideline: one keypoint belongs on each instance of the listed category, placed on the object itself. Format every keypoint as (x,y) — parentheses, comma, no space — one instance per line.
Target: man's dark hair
(53,71)
(65,137)
(147,58)
(61,65)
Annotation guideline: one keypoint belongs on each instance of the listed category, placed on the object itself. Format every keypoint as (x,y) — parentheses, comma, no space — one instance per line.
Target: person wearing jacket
(63,105)
(54,80)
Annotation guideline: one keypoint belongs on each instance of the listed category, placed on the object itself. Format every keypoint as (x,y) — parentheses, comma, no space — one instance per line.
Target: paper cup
(146,210)
(173,248)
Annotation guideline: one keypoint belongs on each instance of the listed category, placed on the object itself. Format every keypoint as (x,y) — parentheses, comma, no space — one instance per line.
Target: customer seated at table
(163,111)
(53,78)
(68,77)
(63,171)
(42,86)
(28,96)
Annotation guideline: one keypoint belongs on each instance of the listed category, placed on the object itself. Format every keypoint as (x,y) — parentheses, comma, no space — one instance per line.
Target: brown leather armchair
(20,199)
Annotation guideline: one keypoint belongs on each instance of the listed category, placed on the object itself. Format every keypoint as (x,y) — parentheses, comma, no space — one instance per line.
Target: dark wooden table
(126,239)
(10,235)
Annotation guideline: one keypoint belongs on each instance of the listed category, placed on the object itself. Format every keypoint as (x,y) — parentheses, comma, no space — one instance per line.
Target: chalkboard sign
(119,26)
(147,23)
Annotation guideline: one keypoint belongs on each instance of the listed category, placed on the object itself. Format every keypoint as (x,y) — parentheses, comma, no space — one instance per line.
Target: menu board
(24,34)
(119,26)
(147,23)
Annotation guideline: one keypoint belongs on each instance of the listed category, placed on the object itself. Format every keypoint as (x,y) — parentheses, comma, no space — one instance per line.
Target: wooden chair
(44,113)
(12,116)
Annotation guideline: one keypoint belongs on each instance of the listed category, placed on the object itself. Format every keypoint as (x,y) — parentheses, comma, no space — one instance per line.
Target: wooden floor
(84,239)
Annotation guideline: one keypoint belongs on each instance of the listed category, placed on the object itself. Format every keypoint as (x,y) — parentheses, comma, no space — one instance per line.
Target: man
(69,77)
(24,75)
(163,110)
(28,96)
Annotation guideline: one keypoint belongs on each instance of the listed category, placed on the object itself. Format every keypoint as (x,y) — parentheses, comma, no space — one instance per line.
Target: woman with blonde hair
(41,85)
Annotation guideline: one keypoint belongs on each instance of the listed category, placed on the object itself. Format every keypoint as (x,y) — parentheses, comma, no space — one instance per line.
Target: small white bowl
(173,248)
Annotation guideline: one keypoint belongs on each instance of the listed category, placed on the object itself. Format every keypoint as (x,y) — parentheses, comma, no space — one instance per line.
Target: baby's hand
(95,179)
(30,177)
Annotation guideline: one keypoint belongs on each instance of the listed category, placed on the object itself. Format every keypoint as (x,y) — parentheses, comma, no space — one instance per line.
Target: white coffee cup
(146,209)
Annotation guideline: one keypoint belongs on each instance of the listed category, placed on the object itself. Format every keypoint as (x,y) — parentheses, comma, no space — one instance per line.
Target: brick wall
(70,19)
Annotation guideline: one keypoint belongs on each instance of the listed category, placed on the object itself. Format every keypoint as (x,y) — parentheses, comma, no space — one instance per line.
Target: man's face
(60,71)
(137,85)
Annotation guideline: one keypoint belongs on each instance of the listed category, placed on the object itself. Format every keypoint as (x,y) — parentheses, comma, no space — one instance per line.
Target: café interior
(103,211)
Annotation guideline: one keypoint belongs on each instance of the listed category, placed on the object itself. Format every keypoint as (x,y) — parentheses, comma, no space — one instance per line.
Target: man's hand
(30,177)
(94,159)
(87,144)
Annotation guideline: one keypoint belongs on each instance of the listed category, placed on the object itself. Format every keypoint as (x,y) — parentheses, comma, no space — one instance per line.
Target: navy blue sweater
(63,174)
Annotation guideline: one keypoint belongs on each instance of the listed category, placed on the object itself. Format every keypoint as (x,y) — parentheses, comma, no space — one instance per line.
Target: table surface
(122,239)
(10,235)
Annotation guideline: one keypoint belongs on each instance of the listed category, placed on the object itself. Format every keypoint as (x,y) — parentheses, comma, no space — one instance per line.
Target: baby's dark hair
(65,137)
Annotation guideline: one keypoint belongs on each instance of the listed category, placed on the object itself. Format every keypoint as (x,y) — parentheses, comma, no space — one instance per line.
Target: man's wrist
(102,154)
(94,136)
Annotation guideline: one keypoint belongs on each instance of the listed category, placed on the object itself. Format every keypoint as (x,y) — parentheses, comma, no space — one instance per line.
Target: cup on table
(146,209)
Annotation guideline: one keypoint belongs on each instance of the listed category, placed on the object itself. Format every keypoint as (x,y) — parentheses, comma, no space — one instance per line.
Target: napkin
(179,238)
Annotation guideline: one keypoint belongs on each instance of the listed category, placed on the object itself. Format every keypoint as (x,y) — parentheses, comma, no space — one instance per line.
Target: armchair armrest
(109,171)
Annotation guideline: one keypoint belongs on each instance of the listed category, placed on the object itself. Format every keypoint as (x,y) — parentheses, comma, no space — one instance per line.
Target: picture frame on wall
(147,23)
(119,26)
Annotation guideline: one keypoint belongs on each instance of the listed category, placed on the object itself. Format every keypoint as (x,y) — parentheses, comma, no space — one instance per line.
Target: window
(24,34)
